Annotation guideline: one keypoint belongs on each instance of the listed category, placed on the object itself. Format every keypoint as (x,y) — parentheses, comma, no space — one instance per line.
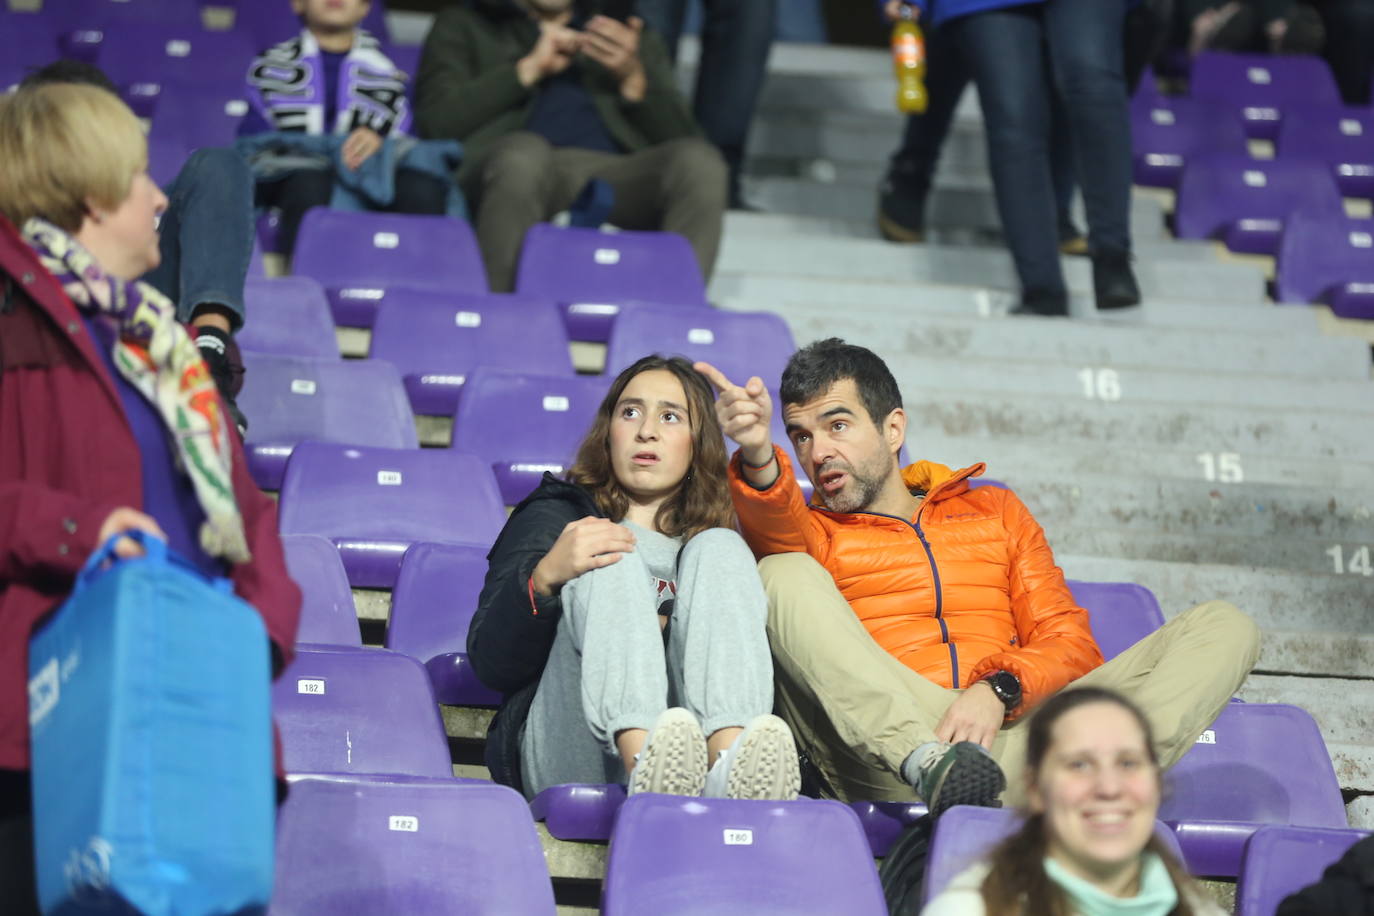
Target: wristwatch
(1007,688)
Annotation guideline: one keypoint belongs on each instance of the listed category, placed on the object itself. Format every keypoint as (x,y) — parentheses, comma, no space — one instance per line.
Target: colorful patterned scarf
(157,357)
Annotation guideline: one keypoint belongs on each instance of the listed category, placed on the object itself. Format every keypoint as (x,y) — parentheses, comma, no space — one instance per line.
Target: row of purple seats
(1262,88)
(1280,861)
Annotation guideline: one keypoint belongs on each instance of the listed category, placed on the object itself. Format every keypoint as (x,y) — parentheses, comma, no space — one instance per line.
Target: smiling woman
(623,616)
(1087,847)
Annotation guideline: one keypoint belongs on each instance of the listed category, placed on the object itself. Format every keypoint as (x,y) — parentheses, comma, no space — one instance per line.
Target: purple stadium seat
(576,812)
(436,339)
(287,316)
(525,424)
(328,616)
(419,847)
(964,835)
(1262,87)
(125,14)
(883,822)
(289,399)
(373,503)
(345,710)
(166,156)
(673,855)
(1244,201)
(271,23)
(1341,137)
(740,344)
(200,115)
(1258,764)
(592,273)
(406,58)
(1121,614)
(431,606)
(356,256)
(1283,860)
(1328,259)
(1165,135)
(159,54)
(26,40)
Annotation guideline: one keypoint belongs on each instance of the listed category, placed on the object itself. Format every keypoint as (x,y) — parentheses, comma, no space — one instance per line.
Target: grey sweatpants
(609,671)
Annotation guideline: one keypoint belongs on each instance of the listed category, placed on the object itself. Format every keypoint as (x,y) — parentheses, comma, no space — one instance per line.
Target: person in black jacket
(1346,888)
(623,617)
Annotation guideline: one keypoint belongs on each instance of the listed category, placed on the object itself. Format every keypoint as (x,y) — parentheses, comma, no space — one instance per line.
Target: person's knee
(520,160)
(786,576)
(717,545)
(696,167)
(1234,627)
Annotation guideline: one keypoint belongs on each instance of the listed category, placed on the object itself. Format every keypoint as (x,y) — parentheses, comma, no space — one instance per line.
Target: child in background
(332,79)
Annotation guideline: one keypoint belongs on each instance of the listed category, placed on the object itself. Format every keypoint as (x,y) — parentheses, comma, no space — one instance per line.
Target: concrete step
(743,291)
(877,261)
(1279,554)
(1305,519)
(907,337)
(1142,462)
(1344,710)
(1191,429)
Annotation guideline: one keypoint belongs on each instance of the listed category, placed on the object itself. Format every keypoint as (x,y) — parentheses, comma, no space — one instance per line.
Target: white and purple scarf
(156,355)
(287,88)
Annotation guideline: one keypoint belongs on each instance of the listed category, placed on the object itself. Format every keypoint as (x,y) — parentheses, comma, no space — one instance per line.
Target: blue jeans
(207,234)
(1022,58)
(947,76)
(736,36)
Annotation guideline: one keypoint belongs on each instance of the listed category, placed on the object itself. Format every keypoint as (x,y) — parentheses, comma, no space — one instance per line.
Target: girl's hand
(588,543)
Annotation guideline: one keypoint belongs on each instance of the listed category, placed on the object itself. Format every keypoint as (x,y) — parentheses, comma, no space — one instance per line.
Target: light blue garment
(1157,895)
(274,155)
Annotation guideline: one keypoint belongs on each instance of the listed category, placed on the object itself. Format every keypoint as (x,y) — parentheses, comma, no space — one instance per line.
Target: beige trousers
(858,712)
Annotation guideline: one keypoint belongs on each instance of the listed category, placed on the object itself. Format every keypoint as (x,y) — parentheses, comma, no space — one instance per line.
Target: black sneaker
(960,774)
(226,368)
(902,205)
(1114,283)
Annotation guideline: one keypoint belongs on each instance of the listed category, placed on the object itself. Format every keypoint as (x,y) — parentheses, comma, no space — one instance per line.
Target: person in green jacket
(547,96)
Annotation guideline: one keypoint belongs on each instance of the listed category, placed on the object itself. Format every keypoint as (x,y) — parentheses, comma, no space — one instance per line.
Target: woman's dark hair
(702,500)
(814,368)
(1017,882)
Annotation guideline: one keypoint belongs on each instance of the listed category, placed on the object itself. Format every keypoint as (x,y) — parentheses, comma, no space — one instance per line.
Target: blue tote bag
(150,714)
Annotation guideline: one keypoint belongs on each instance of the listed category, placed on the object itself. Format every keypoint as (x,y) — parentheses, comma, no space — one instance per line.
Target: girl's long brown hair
(702,500)
(1017,882)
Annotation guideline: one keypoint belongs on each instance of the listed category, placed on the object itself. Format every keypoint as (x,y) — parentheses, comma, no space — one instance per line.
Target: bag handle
(155,550)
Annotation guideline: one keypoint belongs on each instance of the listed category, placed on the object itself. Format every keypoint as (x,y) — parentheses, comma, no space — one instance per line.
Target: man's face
(846,456)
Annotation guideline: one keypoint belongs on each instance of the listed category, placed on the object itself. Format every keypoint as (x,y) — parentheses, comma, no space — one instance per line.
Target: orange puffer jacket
(965,588)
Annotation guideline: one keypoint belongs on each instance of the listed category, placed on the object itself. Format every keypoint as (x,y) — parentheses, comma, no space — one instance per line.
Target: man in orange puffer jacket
(914,620)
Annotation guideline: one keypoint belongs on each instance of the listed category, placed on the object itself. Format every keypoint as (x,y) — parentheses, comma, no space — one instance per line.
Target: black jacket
(508,643)
(1346,888)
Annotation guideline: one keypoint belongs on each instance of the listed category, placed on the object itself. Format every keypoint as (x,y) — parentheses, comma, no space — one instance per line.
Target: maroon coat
(68,459)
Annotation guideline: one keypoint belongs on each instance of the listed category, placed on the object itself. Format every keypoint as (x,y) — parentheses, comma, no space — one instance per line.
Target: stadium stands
(327,612)
(290,318)
(1261,88)
(738,344)
(1283,860)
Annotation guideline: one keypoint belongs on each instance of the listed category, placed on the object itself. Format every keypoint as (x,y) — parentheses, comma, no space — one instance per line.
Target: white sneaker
(673,761)
(761,764)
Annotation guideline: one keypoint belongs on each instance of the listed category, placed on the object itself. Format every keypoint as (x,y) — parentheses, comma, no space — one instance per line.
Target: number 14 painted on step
(1357,565)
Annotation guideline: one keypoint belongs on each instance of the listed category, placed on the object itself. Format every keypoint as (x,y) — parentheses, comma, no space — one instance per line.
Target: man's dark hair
(814,368)
(69,71)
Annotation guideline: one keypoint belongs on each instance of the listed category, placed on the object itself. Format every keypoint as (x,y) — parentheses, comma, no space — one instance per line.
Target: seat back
(289,399)
(1262,87)
(342,710)
(431,607)
(524,424)
(763,857)
(1221,189)
(328,615)
(374,503)
(163,53)
(1319,254)
(412,846)
(288,316)
(437,339)
(593,273)
(965,835)
(1257,764)
(740,344)
(1121,613)
(356,256)
(200,115)
(1280,861)
(1165,135)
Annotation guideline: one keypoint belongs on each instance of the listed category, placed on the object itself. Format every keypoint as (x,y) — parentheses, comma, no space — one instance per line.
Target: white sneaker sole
(765,763)
(673,761)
